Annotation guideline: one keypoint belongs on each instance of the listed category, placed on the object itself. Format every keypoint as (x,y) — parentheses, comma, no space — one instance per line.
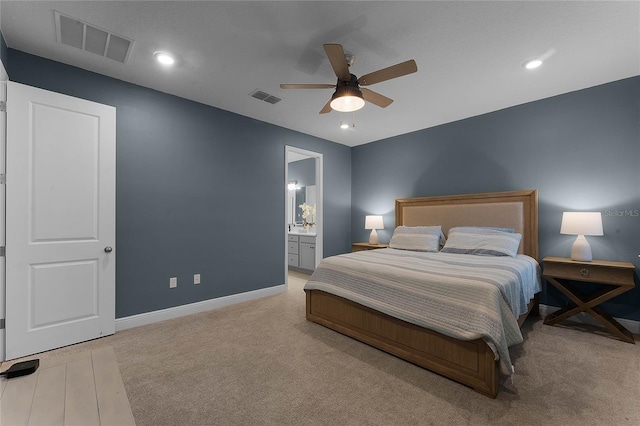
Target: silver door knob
(108,249)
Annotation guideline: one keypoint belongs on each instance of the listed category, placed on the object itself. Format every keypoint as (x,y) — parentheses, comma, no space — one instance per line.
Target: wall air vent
(76,33)
(264,96)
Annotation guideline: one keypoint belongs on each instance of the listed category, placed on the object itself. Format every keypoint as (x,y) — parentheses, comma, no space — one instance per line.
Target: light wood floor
(83,388)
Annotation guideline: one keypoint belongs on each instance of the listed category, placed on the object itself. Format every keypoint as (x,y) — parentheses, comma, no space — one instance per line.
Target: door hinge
(3,179)
(2,251)
(1,323)
(3,106)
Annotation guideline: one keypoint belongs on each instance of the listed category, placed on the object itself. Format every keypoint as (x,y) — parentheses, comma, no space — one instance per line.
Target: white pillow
(417,238)
(483,242)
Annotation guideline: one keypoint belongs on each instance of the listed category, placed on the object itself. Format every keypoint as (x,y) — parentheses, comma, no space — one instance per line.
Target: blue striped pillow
(482,241)
(417,238)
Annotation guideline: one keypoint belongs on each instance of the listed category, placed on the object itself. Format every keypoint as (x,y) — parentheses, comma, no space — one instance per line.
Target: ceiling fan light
(347,99)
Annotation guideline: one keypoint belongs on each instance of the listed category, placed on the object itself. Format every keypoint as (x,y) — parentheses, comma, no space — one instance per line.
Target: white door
(60,220)
(3,134)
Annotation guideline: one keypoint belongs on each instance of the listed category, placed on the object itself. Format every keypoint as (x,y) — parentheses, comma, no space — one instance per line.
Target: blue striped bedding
(463,296)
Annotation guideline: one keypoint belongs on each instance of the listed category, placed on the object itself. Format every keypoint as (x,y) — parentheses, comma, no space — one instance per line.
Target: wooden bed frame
(469,362)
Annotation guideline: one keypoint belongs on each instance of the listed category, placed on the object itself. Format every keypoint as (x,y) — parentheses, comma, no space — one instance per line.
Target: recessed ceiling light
(164,58)
(344,125)
(534,63)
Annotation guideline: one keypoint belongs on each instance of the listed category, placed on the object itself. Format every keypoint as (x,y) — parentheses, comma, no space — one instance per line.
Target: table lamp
(373,223)
(581,224)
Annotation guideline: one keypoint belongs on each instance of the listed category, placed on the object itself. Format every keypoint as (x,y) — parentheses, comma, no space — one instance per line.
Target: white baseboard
(194,308)
(584,318)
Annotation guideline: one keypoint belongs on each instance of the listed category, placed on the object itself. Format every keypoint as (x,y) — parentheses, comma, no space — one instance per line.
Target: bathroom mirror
(302,188)
(305,194)
(301,197)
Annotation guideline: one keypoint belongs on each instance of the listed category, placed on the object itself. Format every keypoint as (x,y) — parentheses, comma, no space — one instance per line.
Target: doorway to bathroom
(303,187)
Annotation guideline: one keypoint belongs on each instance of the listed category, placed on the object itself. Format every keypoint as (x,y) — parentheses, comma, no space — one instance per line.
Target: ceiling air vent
(264,96)
(76,33)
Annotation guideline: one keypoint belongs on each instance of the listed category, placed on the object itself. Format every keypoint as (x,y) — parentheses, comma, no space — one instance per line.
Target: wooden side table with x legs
(566,275)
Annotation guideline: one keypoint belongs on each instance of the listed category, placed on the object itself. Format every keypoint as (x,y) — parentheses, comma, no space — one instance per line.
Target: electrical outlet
(196,278)
(173,282)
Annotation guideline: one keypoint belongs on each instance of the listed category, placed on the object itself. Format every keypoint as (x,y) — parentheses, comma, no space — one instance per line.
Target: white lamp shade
(581,223)
(373,222)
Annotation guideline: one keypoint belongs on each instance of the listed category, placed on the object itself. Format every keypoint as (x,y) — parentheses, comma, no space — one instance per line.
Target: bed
(472,362)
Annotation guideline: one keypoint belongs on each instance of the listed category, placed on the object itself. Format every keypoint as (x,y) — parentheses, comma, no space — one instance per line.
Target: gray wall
(581,151)
(194,183)
(184,171)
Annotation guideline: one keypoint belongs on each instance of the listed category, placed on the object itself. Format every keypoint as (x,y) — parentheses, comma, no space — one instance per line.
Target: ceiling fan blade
(327,108)
(335,53)
(393,71)
(375,98)
(307,86)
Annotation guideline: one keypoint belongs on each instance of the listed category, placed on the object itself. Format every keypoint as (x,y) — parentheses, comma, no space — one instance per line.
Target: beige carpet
(261,362)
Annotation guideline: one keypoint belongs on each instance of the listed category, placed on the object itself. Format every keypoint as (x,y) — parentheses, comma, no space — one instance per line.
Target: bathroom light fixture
(344,125)
(347,99)
(373,223)
(293,185)
(581,224)
(532,64)
(164,58)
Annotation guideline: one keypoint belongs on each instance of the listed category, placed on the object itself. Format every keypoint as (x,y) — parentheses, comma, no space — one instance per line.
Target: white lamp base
(373,239)
(581,250)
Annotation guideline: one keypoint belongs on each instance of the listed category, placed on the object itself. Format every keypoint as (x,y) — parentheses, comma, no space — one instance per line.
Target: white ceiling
(469,54)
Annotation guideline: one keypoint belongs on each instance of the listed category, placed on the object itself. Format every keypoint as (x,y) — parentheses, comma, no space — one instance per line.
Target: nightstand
(566,275)
(367,246)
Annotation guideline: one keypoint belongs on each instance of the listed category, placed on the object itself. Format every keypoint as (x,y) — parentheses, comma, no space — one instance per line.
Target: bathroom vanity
(302,250)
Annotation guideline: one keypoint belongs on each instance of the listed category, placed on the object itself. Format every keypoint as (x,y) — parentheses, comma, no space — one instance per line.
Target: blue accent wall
(193,184)
(186,173)
(580,150)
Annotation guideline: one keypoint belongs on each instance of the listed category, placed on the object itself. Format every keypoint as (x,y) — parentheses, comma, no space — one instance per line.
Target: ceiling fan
(349,96)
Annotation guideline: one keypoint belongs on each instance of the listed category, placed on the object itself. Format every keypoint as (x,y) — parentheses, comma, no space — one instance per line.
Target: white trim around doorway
(291,151)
